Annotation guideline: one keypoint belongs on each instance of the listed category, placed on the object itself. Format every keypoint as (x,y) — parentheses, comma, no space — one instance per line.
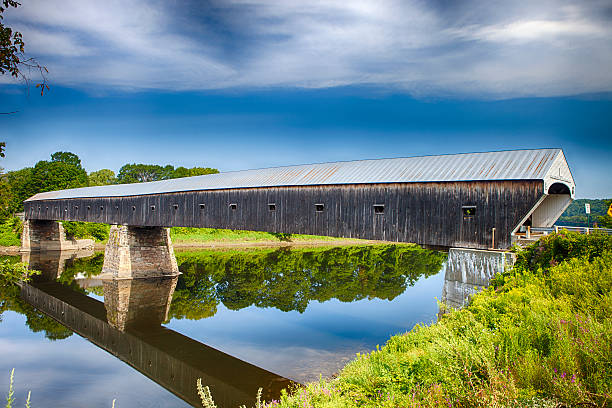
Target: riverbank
(539,336)
(182,238)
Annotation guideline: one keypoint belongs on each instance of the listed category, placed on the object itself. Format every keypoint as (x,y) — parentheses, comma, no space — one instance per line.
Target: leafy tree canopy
(194,171)
(102,178)
(62,172)
(139,173)
(68,158)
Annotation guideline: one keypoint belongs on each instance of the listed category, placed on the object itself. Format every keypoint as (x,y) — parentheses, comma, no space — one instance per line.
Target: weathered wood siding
(423,213)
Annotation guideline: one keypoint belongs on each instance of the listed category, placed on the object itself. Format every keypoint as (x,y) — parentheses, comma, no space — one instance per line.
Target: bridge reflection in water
(128,325)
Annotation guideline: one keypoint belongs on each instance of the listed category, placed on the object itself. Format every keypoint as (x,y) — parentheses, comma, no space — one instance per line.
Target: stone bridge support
(138,302)
(43,235)
(139,252)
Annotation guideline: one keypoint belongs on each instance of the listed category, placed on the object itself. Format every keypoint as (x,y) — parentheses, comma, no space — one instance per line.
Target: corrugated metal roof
(504,165)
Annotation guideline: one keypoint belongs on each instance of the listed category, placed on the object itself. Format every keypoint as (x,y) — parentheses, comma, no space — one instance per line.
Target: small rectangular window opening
(319,207)
(202,206)
(88,207)
(233,206)
(133,208)
(272,207)
(469,211)
(379,208)
(152,208)
(175,206)
(101,208)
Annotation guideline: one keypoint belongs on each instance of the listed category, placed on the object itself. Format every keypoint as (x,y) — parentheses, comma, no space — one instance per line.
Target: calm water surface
(238,319)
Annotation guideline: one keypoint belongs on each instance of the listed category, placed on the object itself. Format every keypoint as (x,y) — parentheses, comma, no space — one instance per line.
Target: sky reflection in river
(275,309)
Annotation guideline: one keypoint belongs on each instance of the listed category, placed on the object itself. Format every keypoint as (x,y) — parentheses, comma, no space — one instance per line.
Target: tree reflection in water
(289,279)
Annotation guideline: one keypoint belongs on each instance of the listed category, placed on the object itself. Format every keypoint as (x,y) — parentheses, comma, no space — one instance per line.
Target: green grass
(539,336)
(195,235)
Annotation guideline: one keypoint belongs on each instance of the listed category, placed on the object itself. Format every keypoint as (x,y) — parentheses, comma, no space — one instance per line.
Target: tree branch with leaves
(13,60)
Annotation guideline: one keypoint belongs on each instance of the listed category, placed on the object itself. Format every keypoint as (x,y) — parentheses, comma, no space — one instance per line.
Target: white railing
(582,230)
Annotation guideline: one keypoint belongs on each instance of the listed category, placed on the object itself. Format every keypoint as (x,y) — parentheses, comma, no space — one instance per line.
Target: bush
(541,336)
(553,249)
(80,230)
(10,232)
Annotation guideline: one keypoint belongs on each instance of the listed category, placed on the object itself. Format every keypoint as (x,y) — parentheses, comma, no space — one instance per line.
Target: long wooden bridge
(472,200)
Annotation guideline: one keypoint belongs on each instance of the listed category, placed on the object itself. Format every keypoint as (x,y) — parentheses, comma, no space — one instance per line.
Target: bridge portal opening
(548,209)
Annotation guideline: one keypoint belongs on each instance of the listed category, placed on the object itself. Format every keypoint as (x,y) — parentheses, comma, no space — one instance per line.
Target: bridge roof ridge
(525,164)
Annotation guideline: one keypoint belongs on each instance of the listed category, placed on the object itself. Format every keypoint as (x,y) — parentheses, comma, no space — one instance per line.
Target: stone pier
(138,303)
(43,235)
(468,271)
(139,252)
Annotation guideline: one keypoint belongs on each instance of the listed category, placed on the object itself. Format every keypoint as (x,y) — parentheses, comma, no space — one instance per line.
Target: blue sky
(240,84)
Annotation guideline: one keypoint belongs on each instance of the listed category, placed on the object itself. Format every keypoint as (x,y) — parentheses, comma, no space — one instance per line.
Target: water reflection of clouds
(71,372)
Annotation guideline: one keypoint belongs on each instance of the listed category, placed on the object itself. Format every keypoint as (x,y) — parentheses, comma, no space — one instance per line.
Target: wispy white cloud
(481,48)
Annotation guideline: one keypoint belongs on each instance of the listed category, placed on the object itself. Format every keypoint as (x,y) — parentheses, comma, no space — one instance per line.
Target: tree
(102,178)
(68,158)
(605,221)
(19,188)
(140,173)
(57,174)
(194,171)
(12,52)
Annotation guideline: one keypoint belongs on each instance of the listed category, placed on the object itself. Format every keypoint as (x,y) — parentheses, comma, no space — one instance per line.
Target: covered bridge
(472,200)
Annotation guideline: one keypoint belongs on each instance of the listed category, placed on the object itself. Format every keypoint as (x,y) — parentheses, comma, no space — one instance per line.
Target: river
(239,319)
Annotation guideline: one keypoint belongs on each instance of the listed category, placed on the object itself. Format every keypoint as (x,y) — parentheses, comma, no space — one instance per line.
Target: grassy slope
(10,232)
(194,235)
(540,336)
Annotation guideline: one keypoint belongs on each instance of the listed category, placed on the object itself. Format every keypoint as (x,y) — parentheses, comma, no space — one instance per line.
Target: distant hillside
(575,215)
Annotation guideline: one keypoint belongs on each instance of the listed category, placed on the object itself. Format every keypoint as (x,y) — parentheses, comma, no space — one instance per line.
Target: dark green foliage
(56,175)
(289,279)
(553,249)
(20,188)
(11,272)
(80,230)
(605,221)
(575,215)
(68,158)
(11,45)
(139,173)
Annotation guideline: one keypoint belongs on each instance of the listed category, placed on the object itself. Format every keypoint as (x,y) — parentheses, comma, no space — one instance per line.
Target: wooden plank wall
(423,213)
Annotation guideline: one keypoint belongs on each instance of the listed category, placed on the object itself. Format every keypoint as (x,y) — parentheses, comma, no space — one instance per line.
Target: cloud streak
(436,48)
